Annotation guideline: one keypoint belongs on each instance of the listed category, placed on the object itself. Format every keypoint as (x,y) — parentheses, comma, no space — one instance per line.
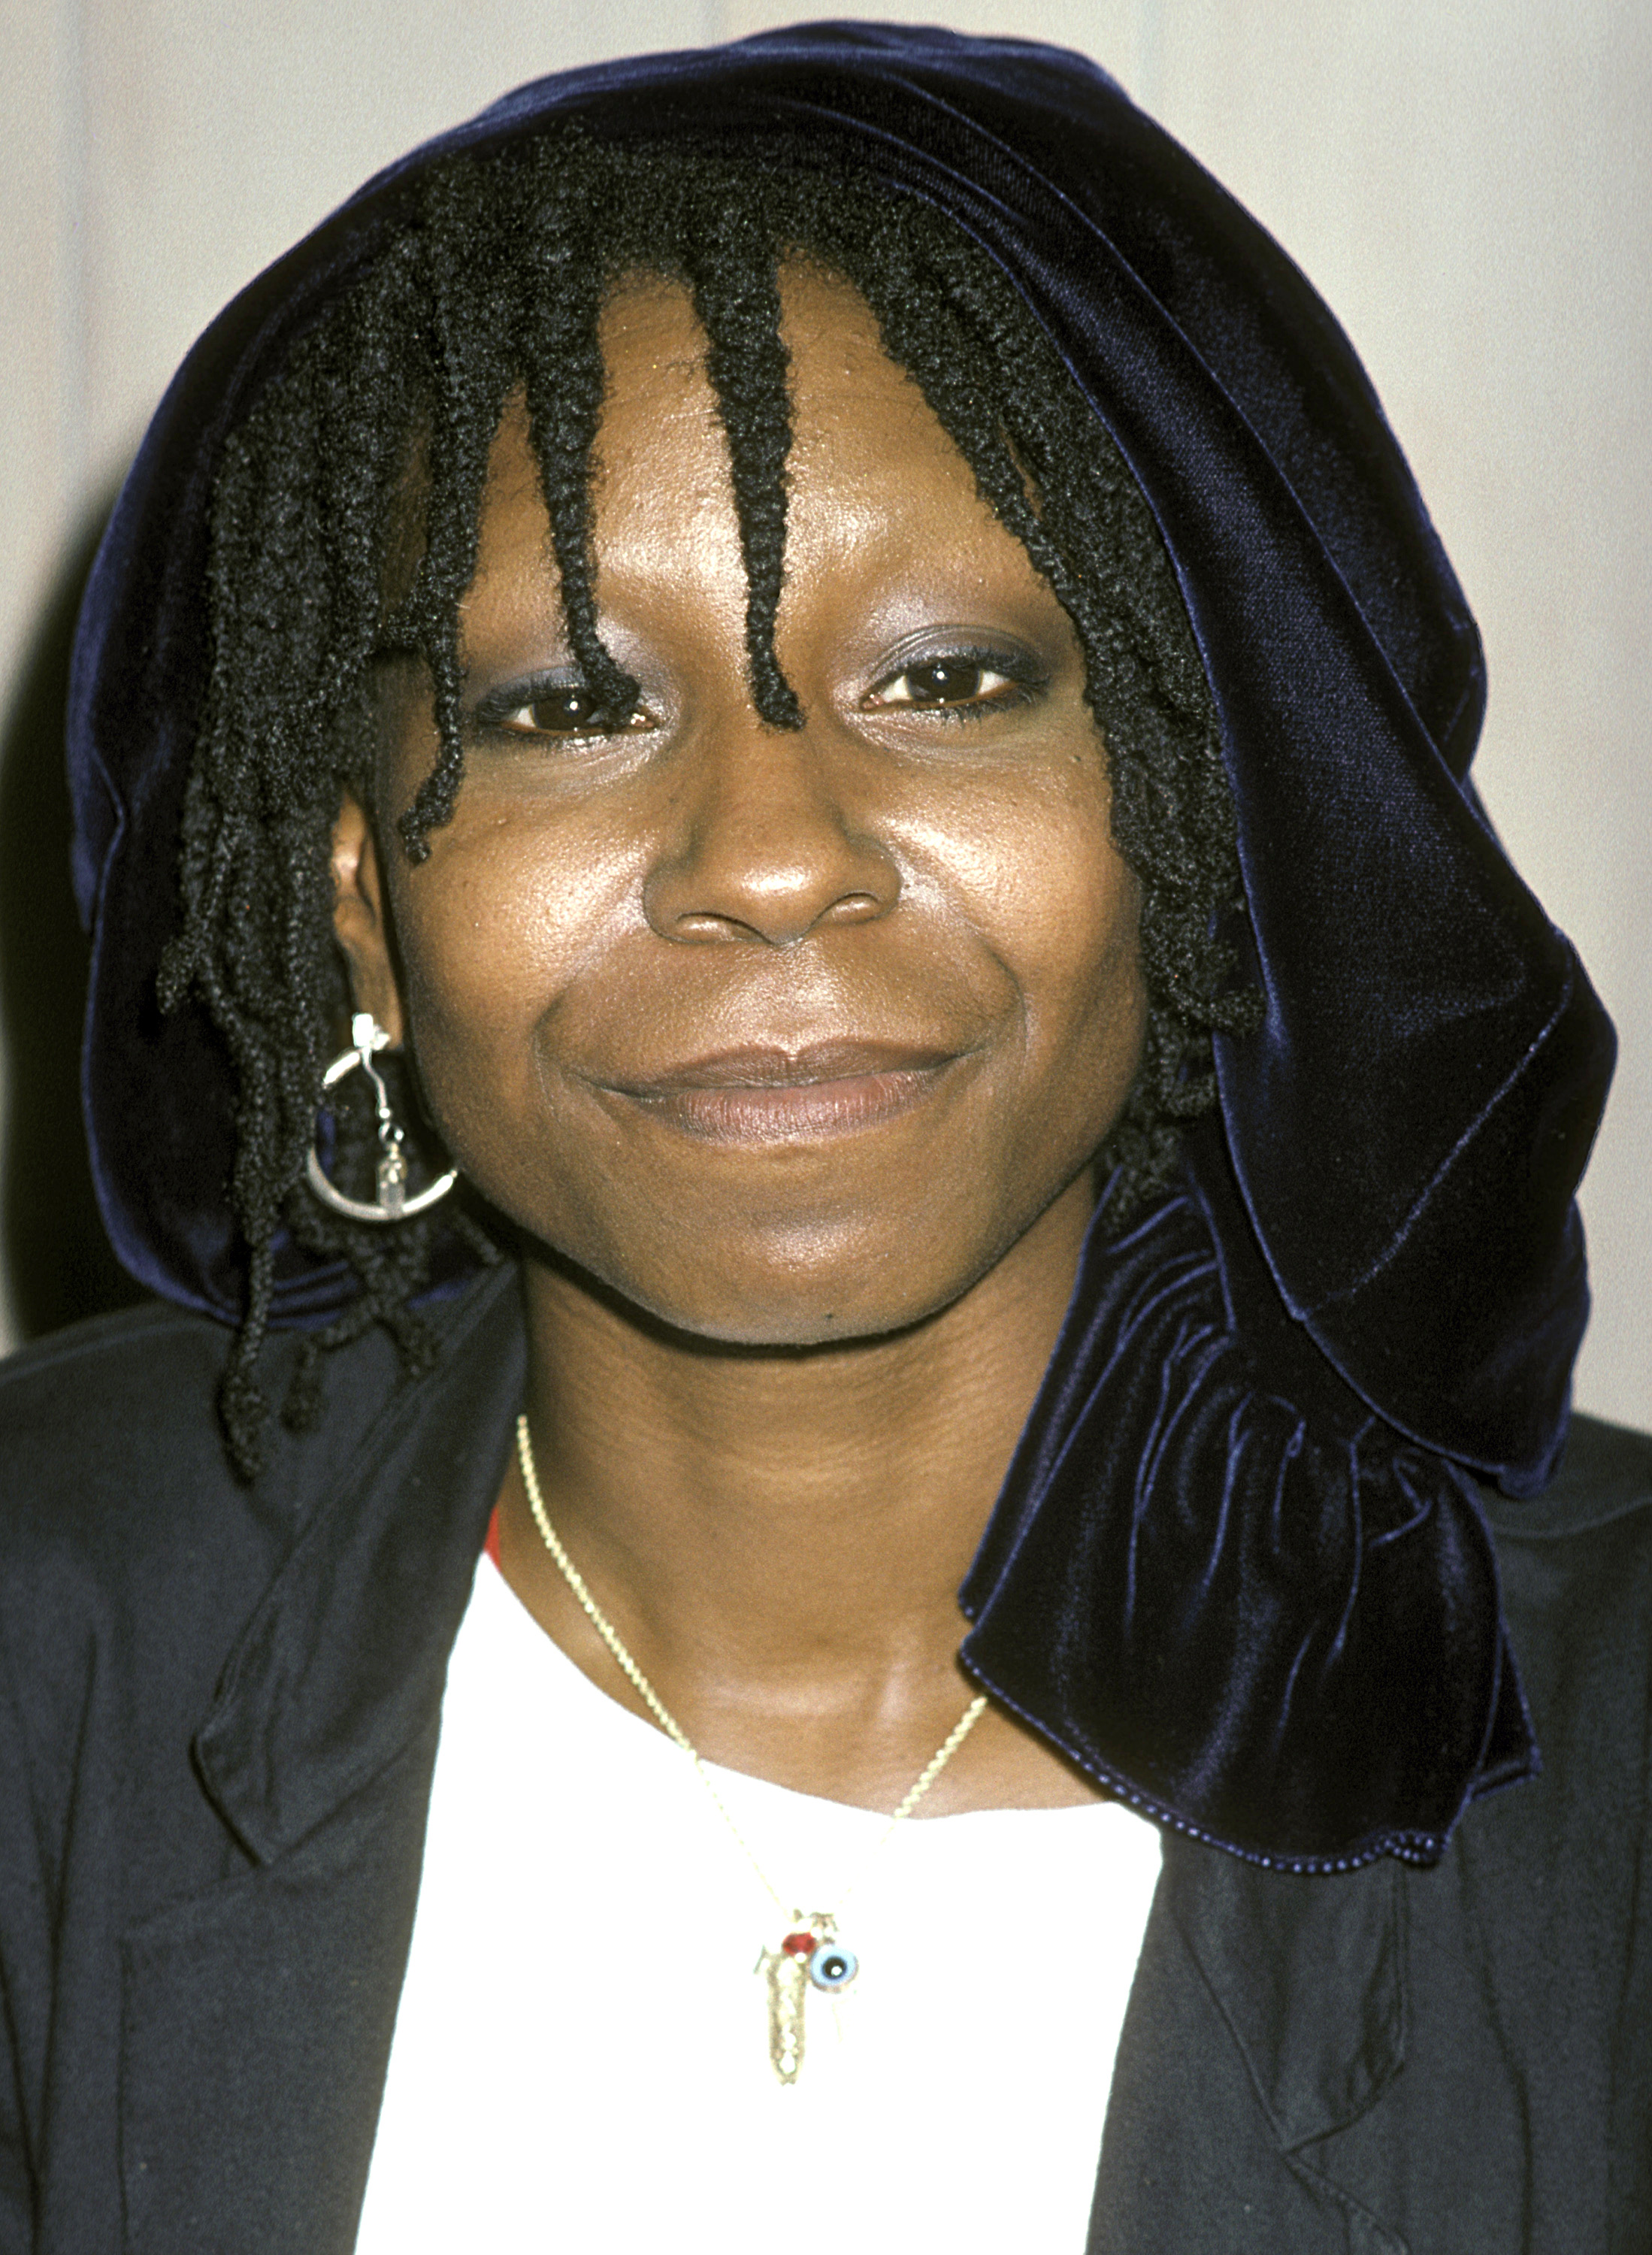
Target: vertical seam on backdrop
(71,290)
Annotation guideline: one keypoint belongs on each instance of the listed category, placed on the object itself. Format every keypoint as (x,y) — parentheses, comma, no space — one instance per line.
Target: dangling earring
(392,1202)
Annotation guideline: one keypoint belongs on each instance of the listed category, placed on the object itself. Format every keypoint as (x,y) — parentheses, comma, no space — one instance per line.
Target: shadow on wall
(52,1241)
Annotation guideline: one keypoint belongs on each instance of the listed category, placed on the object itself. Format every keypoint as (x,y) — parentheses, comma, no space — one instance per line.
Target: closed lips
(763,1067)
(768,1095)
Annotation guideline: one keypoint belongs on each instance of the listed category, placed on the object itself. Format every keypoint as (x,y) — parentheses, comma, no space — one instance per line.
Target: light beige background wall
(1469,181)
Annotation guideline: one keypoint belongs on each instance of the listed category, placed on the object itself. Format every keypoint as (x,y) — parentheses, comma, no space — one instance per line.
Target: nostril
(780,924)
(742,879)
(708,924)
(776,930)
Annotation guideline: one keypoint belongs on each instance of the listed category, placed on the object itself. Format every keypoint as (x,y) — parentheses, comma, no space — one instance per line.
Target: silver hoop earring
(392,1203)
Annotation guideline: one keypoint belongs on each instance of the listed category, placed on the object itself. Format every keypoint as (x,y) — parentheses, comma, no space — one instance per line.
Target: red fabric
(491,1546)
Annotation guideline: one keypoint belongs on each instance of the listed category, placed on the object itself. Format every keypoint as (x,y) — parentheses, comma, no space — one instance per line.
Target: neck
(779,1536)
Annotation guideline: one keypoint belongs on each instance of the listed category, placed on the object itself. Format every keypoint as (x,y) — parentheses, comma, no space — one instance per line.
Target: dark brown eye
(559,712)
(959,682)
(554,709)
(947,681)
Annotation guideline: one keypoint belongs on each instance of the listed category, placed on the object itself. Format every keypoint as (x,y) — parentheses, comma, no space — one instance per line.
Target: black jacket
(221,1715)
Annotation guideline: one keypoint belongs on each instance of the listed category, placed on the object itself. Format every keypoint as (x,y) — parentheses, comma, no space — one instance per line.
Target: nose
(763,846)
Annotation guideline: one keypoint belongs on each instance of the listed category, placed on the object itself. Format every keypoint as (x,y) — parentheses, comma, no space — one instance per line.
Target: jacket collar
(1259,2062)
(345,1658)
(1309,1976)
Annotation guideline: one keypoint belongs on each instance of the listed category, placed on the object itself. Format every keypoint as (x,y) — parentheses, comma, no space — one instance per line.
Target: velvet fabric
(1237,1554)
(1221,1584)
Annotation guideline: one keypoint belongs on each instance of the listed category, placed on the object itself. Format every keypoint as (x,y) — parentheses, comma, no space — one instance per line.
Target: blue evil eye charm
(833,1967)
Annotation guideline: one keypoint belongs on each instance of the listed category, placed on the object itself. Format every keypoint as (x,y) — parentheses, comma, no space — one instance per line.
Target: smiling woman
(923,1484)
(507,307)
(905,913)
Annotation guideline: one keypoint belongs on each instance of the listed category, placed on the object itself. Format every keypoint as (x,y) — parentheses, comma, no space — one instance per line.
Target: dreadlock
(497,283)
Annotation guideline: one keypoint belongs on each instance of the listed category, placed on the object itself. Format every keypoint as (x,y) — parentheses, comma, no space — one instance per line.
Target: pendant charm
(809,1956)
(787,1971)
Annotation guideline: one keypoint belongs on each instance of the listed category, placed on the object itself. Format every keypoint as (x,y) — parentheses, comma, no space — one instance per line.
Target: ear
(360,923)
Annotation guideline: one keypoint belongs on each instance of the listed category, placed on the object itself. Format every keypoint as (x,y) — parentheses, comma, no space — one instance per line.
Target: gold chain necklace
(809,1953)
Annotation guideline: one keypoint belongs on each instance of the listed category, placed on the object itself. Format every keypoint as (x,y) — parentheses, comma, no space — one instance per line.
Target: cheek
(494,929)
(1087,999)
(1048,894)
(1083,938)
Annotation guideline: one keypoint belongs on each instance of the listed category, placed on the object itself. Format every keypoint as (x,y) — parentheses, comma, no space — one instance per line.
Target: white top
(580,2059)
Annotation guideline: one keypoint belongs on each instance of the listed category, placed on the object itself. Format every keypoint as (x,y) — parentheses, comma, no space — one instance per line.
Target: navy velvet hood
(1237,1569)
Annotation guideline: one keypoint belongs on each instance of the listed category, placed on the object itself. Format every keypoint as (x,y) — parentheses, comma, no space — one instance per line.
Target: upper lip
(763,1067)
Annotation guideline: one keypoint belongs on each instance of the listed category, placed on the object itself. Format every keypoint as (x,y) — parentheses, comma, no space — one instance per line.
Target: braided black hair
(495,284)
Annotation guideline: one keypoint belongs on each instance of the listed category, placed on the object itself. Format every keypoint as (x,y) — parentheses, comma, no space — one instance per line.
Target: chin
(802,1325)
(797,1289)
(764,1309)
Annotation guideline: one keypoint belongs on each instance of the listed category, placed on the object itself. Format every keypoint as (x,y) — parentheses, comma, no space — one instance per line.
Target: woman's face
(785,1037)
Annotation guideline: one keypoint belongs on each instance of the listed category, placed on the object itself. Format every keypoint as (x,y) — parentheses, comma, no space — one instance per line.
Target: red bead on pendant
(799,1944)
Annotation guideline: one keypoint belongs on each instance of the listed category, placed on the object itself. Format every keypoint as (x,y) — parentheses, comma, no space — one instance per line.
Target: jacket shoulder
(1605,1474)
(112,1419)
(131,1554)
(137,1368)
(111,1451)
(1576,1564)
(1577,1570)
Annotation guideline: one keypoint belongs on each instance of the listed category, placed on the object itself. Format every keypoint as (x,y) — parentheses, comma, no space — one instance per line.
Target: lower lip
(791,1113)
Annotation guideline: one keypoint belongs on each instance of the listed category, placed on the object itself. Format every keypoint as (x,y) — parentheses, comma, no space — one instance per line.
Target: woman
(822,653)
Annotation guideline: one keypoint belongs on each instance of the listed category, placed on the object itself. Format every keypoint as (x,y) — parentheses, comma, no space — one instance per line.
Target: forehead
(842,383)
(868,456)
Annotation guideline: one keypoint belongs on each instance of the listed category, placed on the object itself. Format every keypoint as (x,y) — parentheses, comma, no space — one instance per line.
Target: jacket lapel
(256,2026)
(257,2014)
(1267,2014)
